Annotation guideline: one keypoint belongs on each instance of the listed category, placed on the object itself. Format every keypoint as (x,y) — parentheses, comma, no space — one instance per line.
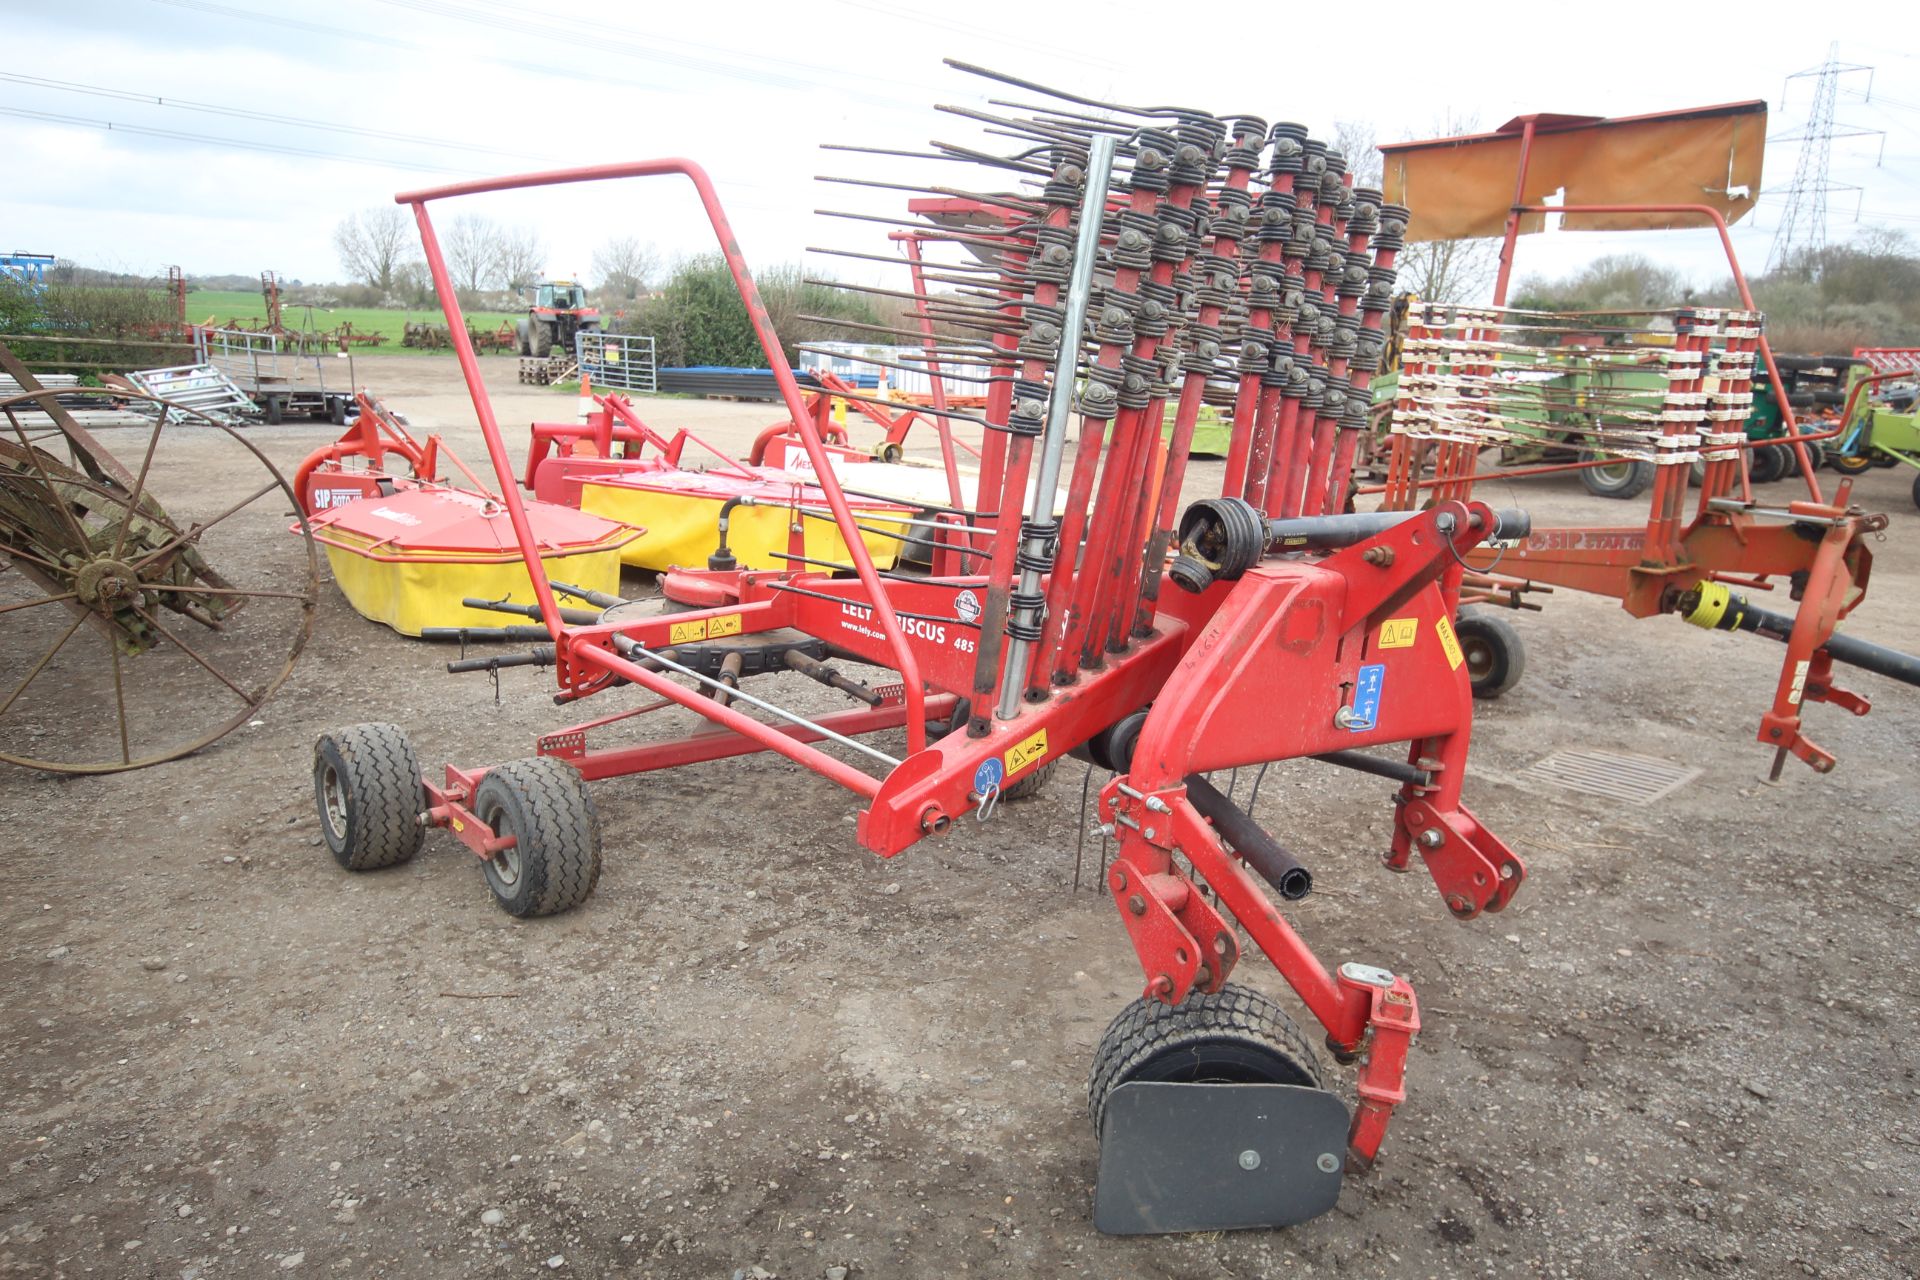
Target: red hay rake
(1148,256)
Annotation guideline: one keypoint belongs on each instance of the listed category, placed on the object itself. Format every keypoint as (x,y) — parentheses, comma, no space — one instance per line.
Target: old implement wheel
(1496,656)
(1621,478)
(366,785)
(149,603)
(554,860)
(1233,1036)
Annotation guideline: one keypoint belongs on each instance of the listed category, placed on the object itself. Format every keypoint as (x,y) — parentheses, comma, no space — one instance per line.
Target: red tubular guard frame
(594,660)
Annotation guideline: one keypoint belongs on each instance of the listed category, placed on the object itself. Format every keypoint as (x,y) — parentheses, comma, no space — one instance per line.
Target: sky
(418,93)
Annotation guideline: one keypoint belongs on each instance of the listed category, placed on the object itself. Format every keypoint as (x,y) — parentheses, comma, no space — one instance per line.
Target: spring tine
(1023,206)
(1063,95)
(906,368)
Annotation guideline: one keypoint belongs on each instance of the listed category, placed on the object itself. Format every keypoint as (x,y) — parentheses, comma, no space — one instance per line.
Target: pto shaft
(1714,607)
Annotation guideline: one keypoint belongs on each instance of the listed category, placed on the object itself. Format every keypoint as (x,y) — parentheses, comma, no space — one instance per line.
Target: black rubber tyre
(1850,464)
(366,786)
(1769,463)
(1234,1036)
(540,339)
(1621,478)
(274,410)
(555,861)
(1033,784)
(1916,491)
(1496,656)
(522,341)
(1816,454)
(337,410)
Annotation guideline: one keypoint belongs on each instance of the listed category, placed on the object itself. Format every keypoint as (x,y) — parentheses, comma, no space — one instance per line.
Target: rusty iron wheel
(176,655)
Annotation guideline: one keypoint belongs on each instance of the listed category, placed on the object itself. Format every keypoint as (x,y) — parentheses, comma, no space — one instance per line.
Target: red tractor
(558,312)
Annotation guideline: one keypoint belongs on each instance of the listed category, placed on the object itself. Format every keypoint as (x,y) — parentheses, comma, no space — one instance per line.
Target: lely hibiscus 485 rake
(1147,257)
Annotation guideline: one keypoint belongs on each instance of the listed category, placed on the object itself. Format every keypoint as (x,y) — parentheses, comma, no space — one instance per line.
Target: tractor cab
(560,295)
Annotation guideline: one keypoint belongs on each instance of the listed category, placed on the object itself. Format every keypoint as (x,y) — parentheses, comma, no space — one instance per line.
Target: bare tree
(624,265)
(373,245)
(521,259)
(472,246)
(1448,270)
(1354,139)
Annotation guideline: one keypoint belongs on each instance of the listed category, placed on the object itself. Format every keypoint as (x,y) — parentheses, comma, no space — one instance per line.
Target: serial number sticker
(1022,754)
(726,626)
(687,632)
(1449,644)
(1399,633)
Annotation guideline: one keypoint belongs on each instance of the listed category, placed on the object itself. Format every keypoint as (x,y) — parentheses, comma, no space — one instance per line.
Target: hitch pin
(1154,804)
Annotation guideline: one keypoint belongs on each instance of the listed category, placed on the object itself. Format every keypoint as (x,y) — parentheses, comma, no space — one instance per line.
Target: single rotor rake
(1114,261)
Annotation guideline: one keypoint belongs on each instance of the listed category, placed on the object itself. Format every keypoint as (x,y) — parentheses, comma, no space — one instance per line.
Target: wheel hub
(106,584)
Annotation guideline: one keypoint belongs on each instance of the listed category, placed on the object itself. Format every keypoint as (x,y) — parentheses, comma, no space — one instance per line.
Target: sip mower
(1158,256)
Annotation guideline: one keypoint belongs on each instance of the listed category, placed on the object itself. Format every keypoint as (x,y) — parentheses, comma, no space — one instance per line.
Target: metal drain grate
(1635,779)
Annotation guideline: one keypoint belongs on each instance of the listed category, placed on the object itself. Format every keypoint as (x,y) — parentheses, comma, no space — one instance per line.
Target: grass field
(224,305)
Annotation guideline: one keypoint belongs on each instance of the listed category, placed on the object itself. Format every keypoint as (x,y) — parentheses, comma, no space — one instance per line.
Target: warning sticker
(1399,633)
(725,626)
(1026,752)
(1449,644)
(688,632)
(1799,688)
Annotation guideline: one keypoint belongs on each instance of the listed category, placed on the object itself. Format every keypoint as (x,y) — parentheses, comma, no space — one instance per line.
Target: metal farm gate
(623,360)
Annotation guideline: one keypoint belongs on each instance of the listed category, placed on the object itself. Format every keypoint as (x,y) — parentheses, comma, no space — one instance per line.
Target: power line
(246,113)
(209,140)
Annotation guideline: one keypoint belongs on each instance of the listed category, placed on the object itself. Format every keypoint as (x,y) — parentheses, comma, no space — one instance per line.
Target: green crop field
(226,305)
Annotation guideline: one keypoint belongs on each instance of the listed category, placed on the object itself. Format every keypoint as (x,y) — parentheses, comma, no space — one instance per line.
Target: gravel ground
(759,1050)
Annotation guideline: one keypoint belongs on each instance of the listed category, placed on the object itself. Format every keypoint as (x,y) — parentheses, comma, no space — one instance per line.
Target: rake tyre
(1233,1036)
(1496,656)
(366,786)
(1033,784)
(554,862)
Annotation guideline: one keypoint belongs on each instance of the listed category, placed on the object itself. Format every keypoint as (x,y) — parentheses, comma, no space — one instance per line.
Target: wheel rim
(1479,655)
(1217,1061)
(503,868)
(333,802)
(1614,474)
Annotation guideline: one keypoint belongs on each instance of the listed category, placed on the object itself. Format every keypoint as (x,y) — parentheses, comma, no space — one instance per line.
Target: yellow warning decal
(1027,752)
(687,632)
(724,626)
(1449,645)
(1399,633)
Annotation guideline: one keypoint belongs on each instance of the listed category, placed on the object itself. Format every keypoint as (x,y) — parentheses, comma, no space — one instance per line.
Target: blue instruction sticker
(1366,696)
(988,775)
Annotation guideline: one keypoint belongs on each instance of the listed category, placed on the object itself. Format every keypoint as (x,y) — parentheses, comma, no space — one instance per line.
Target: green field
(226,305)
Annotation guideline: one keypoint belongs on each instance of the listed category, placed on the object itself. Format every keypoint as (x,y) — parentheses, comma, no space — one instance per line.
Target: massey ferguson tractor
(558,312)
